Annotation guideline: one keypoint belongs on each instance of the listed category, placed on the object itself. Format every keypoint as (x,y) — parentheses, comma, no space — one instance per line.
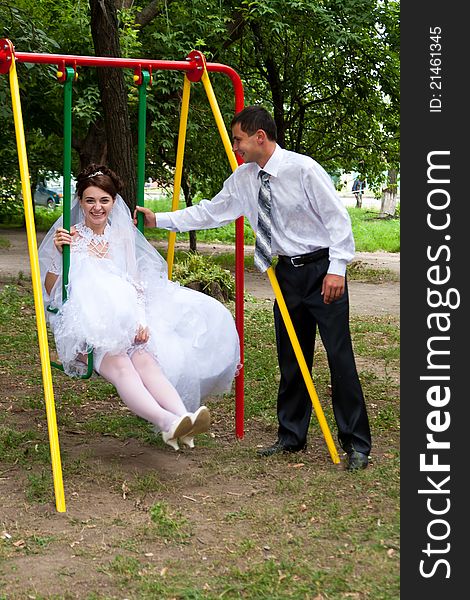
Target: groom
(301,220)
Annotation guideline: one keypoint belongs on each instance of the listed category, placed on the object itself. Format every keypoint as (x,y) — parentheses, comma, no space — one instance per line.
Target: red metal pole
(239,302)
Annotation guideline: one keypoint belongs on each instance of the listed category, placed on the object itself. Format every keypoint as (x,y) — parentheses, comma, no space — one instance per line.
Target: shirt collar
(274,162)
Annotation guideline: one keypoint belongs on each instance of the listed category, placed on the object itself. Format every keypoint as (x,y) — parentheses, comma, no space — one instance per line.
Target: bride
(164,347)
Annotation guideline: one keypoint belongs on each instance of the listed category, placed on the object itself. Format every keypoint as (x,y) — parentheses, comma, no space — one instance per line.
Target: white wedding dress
(118,281)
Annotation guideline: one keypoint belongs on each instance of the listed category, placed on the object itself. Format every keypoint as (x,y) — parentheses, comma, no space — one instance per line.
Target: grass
(40,486)
(23,447)
(147,483)
(217,522)
(371,233)
(123,426)
(376,337)
(166,525)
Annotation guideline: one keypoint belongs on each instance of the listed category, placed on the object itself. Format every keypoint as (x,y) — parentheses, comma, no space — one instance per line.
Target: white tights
(143,387)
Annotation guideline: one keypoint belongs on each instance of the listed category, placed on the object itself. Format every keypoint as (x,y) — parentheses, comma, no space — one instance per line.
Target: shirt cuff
(337,267)
(163,220)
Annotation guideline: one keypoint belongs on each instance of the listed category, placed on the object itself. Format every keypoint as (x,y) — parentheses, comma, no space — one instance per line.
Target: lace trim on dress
(87,241)
(93,243)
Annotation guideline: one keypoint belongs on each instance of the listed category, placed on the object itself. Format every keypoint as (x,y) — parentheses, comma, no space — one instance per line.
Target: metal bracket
(64,70)
(196,72)
(143,75)
(6,55)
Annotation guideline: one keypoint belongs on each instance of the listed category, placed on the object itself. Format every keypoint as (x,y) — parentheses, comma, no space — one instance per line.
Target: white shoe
(188,440)
(179,428)
(201,421)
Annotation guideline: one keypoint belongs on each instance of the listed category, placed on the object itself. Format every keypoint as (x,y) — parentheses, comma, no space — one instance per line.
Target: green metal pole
(141,146)
(66,201)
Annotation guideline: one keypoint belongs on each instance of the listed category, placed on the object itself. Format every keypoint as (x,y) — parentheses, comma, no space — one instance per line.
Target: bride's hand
(63,237)
(142,336)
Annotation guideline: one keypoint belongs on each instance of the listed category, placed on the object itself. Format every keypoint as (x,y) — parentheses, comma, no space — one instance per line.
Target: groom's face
(248,147)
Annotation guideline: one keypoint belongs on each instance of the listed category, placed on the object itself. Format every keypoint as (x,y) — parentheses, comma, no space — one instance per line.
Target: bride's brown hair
(100,176)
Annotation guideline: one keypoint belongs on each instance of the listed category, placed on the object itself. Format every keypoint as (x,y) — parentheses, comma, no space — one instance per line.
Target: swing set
(195,69)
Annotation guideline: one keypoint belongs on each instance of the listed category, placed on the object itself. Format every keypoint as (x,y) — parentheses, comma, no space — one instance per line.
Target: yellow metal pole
(37,292)
(219,120)
(179,169)
(303,366)
(277,290)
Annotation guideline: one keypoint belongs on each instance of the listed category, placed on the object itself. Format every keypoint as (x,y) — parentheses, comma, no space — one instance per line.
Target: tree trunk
(104,29)
(269,70)
(188,198)
(389,196)
(93,148)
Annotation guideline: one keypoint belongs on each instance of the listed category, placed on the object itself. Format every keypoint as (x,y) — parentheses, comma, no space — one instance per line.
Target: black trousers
(301,288)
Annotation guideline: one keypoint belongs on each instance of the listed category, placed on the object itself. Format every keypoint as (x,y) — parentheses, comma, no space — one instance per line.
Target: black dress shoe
(279,448)
(356,460)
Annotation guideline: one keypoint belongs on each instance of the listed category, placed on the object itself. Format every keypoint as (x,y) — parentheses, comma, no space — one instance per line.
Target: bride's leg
(166,395)
(119,370)
(156,382)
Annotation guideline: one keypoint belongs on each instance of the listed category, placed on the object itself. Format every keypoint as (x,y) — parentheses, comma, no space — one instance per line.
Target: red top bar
(192,63)
(136,63)
(104,61)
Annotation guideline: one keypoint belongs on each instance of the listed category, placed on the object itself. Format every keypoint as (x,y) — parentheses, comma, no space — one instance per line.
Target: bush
(45,217)
(11,204)
(200,273)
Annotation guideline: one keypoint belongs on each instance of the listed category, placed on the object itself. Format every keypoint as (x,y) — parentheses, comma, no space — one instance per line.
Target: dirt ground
(105,546)
(365,298)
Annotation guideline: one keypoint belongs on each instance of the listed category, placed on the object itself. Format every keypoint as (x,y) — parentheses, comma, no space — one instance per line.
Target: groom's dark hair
(252,118)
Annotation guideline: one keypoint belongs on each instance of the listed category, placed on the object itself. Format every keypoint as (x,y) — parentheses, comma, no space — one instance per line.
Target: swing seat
(89,372)
(58,365)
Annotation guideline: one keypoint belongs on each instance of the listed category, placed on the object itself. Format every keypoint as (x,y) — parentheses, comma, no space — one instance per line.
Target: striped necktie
(263,255)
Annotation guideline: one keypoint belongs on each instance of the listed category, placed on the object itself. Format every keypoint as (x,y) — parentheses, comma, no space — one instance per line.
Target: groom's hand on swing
(150,220)
(62,237)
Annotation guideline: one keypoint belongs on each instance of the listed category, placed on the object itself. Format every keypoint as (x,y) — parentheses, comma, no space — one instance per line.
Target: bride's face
(96,205)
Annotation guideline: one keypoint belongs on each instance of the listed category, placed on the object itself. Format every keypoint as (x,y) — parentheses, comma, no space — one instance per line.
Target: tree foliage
(328,70)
